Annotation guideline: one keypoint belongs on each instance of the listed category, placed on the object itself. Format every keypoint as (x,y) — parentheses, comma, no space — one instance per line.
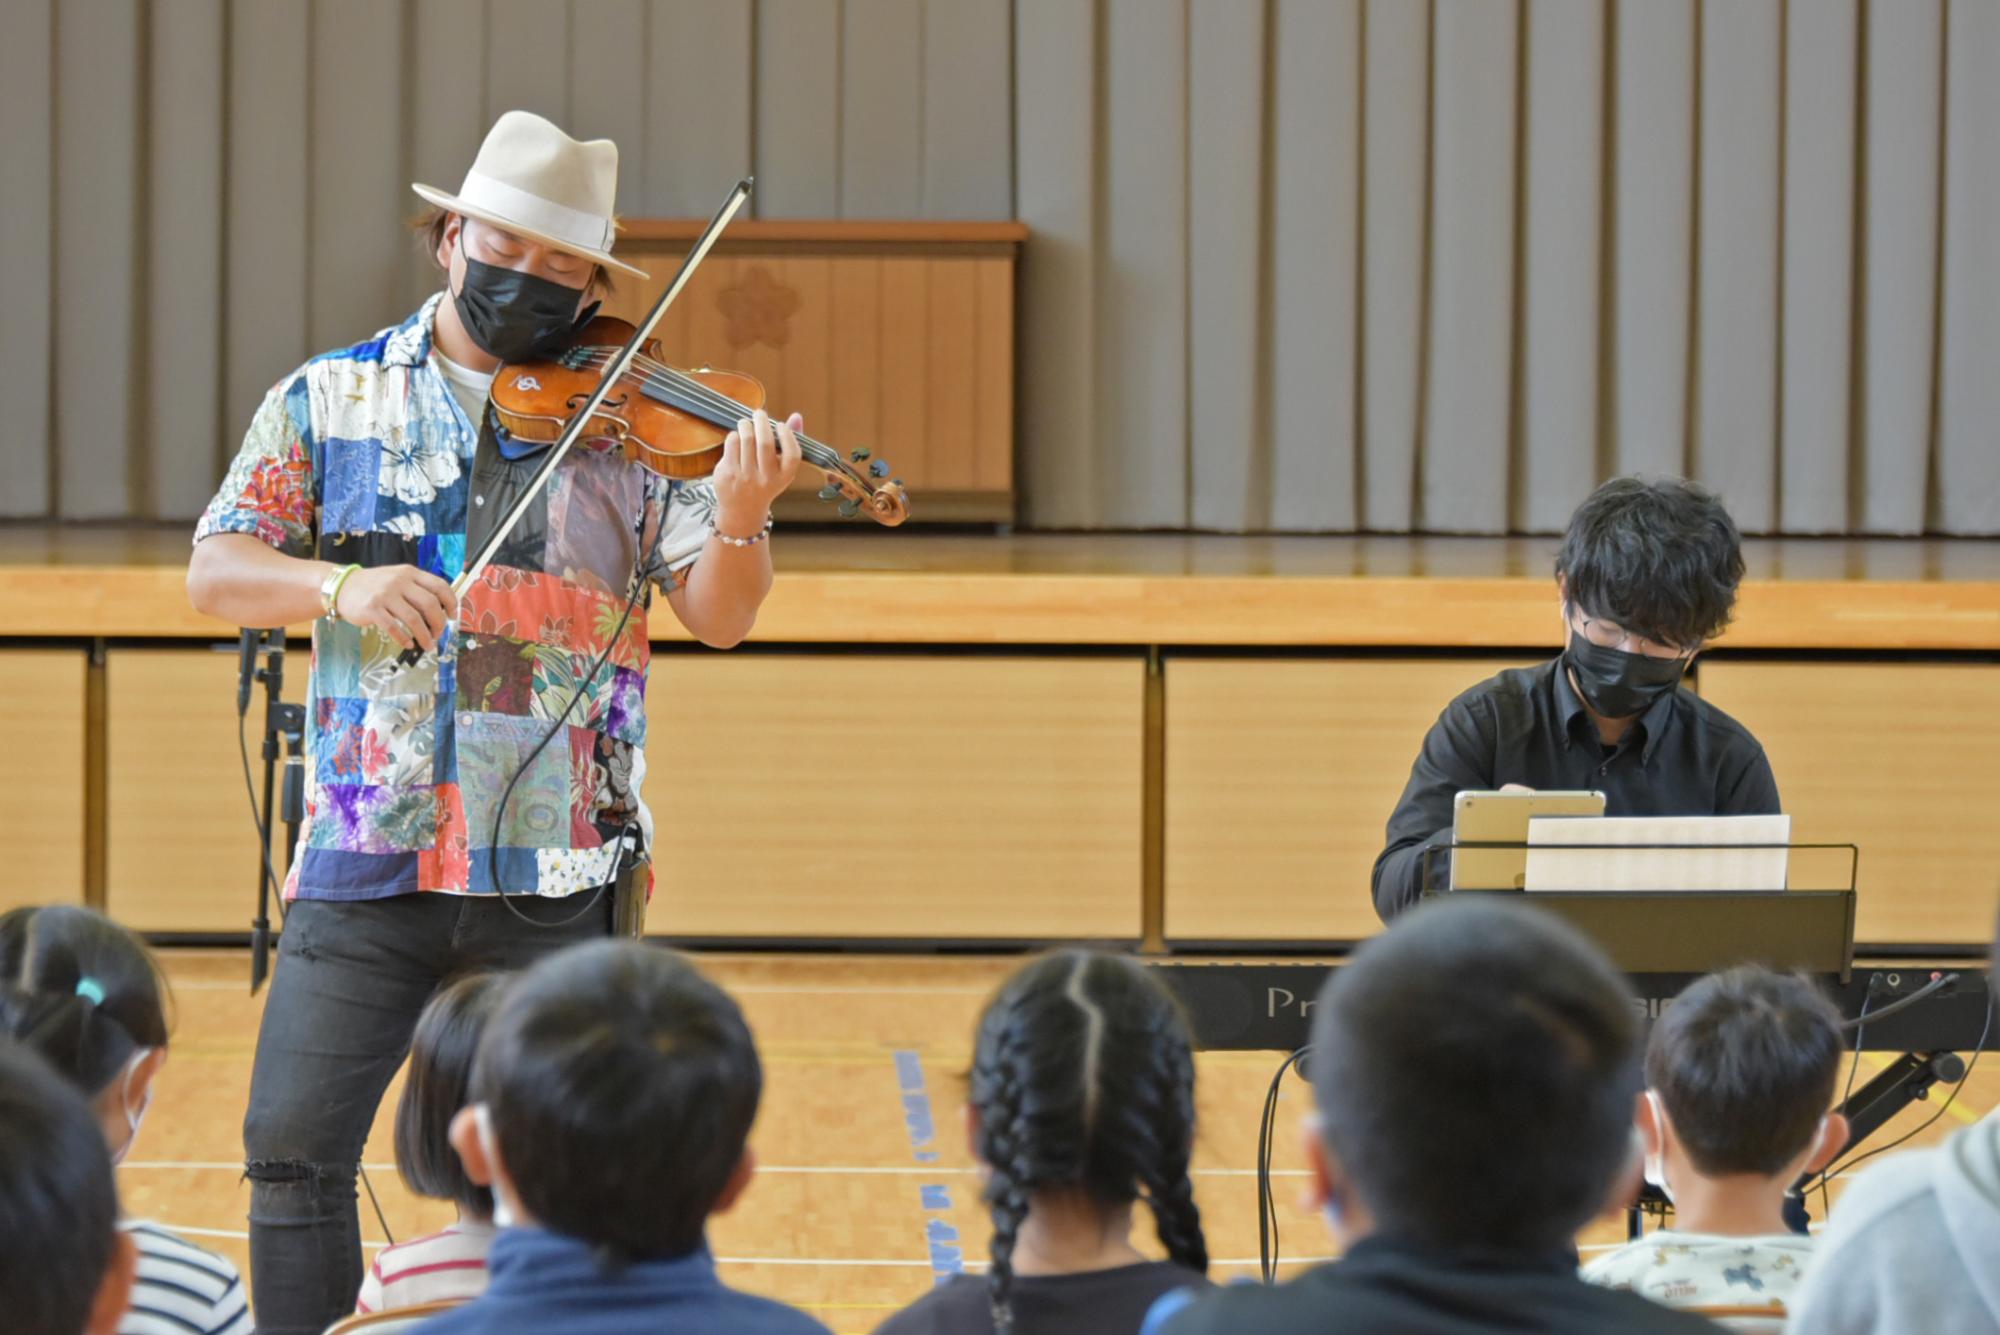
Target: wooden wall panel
(181,850)
(1281,774)
(896,796)
(1894,757)
(905,348)
(42,796)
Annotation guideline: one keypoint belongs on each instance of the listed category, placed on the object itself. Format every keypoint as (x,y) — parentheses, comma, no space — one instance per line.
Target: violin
(669,421)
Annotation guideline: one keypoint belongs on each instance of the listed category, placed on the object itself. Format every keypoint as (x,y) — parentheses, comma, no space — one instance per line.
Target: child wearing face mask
(86,994)
(448,1265)
(1740,1074)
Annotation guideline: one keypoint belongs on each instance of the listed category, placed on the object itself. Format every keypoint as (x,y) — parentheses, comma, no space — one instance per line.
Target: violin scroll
(885,501)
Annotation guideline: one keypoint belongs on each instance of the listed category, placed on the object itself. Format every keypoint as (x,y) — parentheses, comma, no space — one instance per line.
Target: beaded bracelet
(728,541)
(330,590)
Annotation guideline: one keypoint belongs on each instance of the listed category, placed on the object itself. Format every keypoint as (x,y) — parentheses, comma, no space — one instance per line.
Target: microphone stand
(284,729)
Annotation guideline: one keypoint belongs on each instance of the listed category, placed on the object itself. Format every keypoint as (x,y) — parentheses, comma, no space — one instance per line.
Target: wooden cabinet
(895,337)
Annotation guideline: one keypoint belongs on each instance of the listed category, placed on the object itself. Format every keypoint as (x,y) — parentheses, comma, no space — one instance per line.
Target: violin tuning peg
(849,509)
(858,455)
(829,492)
(879,468)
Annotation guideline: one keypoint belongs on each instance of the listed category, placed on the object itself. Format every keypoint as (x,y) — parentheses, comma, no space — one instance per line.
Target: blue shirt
(545,1281)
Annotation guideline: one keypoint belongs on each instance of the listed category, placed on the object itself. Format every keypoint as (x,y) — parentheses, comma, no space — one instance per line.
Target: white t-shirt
(1706,1269)
(440,1267)
(468,386)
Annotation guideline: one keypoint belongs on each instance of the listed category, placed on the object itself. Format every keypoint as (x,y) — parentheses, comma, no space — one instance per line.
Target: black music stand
(1696,931)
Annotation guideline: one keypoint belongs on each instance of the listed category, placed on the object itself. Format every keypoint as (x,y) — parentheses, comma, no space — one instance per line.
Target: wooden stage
(860,585)
(1184,741)
(837,1221)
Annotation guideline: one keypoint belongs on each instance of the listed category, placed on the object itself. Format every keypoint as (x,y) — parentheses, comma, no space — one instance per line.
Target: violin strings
(695,396)
(694,392)
(666,376)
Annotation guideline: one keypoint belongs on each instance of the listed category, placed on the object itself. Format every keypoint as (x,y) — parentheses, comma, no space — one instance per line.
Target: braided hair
(81,990)
(1083,1078)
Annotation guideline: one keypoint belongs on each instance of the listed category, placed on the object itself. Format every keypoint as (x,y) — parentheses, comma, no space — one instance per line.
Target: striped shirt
(441,1267)
(182,1288)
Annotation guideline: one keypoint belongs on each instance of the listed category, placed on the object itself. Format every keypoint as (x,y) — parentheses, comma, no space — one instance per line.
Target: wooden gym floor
(866,1189)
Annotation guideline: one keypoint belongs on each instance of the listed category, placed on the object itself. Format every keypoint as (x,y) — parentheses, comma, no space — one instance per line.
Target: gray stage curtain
(1298,265)
(200,193)
(1442,265)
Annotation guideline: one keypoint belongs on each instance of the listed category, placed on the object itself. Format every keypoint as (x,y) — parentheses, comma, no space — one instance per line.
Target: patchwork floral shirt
(363,455)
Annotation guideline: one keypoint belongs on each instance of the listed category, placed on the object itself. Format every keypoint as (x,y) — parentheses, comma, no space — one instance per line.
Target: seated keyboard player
(1646,577)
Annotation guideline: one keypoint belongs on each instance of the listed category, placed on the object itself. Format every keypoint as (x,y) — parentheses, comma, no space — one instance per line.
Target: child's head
(1083,1082)
(87,995)
(1474,1069)
(1743,1063)
(65,1269)
(441,1053)
(614,1091)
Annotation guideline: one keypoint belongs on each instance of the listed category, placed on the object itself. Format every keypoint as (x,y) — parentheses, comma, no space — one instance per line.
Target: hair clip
(91,989)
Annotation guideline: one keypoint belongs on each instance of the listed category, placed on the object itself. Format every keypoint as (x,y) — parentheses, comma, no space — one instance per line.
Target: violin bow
(612,372)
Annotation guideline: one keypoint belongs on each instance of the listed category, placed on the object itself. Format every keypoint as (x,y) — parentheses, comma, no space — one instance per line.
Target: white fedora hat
(535,181)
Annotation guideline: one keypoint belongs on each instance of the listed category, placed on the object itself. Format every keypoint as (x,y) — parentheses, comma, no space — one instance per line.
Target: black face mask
(1617,684)
(517,316)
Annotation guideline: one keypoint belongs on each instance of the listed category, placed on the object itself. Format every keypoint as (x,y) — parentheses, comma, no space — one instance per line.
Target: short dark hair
(81,990)
(622,1085)
(1083,1077)
(1659,556)
(1475,1068)
(58,1204)
(441,1054)
(1745,1062)
(430,225)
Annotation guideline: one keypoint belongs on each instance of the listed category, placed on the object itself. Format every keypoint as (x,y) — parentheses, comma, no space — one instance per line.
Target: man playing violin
(480,805)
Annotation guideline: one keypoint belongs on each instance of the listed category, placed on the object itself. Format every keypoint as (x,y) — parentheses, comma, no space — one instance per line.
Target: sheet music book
(1712,856)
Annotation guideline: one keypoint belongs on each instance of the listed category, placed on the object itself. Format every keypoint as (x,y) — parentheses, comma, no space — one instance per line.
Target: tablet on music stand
(1489,833)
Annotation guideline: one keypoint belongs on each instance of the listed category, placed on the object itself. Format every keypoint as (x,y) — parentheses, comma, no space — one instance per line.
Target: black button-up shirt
(1683,757)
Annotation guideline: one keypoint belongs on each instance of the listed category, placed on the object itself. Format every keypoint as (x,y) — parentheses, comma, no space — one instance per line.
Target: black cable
(263,835)
(278,888)
(500,808)
(1849,1165)
(1860,1026)
(1934,986)
(380,1218)
(1267,1209)
(1853,1066)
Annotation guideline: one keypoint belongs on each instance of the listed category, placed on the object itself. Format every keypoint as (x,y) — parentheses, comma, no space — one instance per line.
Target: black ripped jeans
(350,981)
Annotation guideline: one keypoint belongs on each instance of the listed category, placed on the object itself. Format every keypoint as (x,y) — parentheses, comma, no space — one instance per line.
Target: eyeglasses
(1610,635)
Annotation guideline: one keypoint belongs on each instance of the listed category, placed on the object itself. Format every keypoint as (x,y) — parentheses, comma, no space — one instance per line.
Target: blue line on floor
(934,1198)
